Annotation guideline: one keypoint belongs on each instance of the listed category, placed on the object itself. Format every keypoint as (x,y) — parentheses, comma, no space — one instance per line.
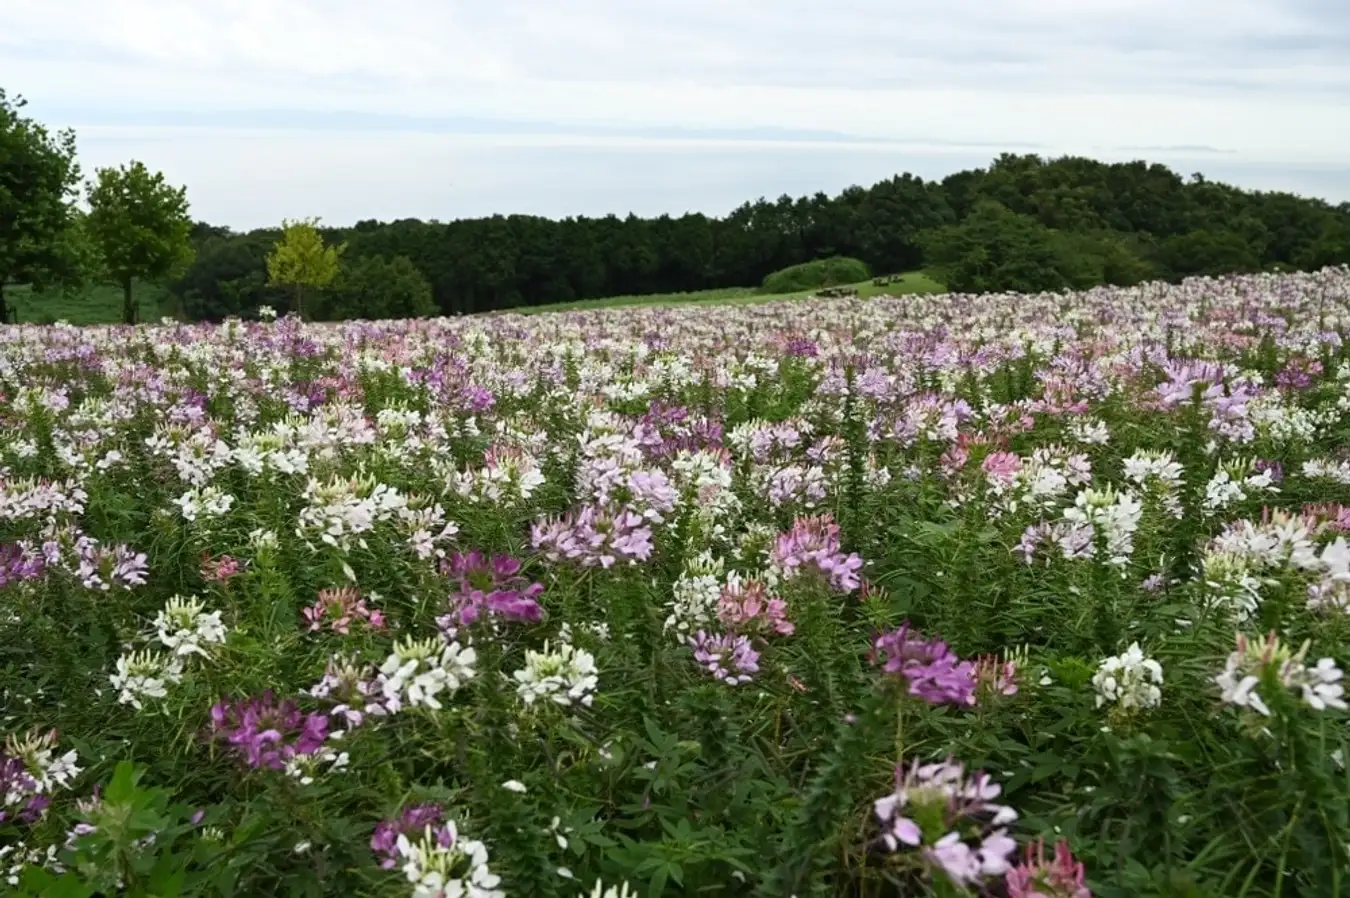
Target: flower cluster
(728,657)
(418,671)
(30,771)
(1268,664)
(594,536)
(339,609)
(927,666)
(813,543)
(1129,681)
(492,588)
(952,818)
(1062,877)
(434,858)
(185,627)
(267,733)
(565,675)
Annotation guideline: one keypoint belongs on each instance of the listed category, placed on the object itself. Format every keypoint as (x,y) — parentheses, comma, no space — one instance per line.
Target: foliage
(39,183)
(373,287)
(302,261)
(1021,594)
(140,226)
(818,273)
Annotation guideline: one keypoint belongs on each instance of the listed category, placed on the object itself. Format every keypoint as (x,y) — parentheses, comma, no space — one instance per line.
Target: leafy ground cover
(951,595)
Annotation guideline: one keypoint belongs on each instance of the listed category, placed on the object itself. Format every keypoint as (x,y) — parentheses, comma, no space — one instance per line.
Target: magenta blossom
(930,668)
(1064,877)
(488,587)
(268,733)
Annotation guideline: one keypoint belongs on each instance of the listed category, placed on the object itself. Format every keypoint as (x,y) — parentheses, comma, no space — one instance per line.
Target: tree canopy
(139,223)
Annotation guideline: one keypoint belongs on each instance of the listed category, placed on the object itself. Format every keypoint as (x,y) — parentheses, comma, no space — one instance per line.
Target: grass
(910,283)
(100,304)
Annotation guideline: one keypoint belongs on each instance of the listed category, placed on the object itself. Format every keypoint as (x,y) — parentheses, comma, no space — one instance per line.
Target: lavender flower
(929,667)
(729,658)
(814,543)
(19,563)
(938,809)
(595,535)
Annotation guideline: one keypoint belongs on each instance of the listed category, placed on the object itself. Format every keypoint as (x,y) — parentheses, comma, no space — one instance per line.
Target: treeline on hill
(1023,224)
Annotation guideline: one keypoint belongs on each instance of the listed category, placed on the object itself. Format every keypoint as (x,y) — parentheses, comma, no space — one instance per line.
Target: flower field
(954,595)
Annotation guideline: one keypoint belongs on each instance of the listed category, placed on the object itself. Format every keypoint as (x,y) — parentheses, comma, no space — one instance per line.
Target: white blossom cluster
(418,671)
(1130,680)
(565,675)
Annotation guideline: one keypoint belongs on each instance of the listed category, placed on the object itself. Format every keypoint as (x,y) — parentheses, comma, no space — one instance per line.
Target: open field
(839,597)
(101,304)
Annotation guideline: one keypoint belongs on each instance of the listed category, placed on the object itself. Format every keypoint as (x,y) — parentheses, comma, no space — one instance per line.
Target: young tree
(301,260)
(140,225)
(39,182)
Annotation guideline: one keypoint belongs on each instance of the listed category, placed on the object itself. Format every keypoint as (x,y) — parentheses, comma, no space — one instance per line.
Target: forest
(1024,224)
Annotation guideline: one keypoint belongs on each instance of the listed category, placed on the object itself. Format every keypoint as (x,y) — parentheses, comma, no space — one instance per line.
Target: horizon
(450,111)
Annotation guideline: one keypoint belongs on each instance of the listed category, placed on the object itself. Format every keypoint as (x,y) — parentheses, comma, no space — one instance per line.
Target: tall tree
(39,183)
(140,225)
(301,260)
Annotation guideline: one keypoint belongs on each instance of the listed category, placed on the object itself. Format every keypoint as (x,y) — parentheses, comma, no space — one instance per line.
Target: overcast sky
(454,108)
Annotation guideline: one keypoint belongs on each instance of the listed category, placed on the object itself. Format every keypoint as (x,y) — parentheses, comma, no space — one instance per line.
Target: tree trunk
(128,304)
(4,307)
(300,301)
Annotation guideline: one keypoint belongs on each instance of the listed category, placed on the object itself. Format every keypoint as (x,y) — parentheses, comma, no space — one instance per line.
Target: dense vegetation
(1024,223)
(859,598)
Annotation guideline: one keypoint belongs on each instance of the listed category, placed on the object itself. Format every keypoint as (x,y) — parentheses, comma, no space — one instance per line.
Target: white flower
(441,864)
(619,891)
(184,626)
(143,675)
(514,786)
(1129,680)
(564,675)
(418,671)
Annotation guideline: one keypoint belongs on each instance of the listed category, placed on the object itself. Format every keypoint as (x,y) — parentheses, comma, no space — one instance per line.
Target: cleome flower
(1267,664)
(1129,680)
(928,666)
(145,674)
(420,670)
(440,863)
(184,627)
(564,676)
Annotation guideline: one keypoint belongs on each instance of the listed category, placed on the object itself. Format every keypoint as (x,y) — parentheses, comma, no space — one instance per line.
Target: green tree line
(1024,223)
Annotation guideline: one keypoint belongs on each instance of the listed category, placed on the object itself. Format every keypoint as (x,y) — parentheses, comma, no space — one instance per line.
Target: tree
(374,287)
(301,260)
(39,183)
(140,225)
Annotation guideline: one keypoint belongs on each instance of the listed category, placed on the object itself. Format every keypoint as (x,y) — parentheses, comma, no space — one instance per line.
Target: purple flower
(488,586)
(268,733)
(19,563)
(731,659)
(813,542)
(934,673)
(411,819)
(594,535)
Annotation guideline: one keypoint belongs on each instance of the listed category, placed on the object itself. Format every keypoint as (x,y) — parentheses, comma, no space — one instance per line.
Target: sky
(444,109)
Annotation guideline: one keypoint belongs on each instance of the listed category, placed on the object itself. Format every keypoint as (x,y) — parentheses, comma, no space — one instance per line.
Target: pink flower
(813,542)
(1002,466)
(1063,877)
(746,606)
(339,609)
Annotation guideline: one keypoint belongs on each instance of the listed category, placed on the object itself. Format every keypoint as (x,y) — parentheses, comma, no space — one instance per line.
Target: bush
(817,274)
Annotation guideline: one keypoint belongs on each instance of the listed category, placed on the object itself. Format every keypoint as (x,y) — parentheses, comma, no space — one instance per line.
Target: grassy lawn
(910,283)
(101,304)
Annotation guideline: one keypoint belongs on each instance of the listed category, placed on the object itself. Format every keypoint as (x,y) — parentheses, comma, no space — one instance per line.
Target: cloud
(1265,81)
